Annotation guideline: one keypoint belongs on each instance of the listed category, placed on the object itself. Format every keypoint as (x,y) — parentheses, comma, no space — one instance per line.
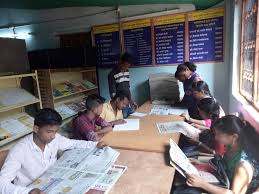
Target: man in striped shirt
(119,81)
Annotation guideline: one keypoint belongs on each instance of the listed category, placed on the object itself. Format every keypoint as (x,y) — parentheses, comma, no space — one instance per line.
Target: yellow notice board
(206,14)
(106,28)
(169,19)
(136,24)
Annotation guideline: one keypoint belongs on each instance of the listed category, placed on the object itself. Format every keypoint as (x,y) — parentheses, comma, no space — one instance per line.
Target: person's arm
(118,122)
(9,171)
(201,124)
(105,127)
(112,84)
(242,178)
(66,144)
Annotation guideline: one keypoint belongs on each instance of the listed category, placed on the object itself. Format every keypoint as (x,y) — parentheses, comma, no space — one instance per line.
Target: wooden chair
(3,155)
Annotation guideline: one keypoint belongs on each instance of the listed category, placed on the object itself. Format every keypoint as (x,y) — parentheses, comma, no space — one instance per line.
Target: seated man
(112,110)
(85,125)
(35,153)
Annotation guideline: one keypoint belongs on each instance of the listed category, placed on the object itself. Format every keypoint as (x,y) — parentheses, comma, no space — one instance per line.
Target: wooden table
(148,137)
(147,173)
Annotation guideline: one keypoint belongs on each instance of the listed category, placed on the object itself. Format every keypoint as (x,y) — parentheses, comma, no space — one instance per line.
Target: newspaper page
(105,183)
(180,127)
(167,110)
(182,162)
(77,170)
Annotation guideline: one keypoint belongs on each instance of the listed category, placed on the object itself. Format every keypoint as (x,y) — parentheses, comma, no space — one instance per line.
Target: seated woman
(84,125)
(112,110)
(241,157)
(209,111)
(187,74)
(201,91)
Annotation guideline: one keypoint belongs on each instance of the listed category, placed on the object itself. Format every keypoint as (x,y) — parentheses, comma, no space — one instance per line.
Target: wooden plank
(18,76)
(148,137)
(7,108)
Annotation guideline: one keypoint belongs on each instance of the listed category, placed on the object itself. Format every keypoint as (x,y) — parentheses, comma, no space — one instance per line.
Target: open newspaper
(180,127)
(167,110)
(183,165)
(78,170)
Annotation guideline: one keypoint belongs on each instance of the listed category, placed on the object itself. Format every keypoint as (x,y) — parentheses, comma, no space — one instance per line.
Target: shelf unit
(13,82)
(49,78)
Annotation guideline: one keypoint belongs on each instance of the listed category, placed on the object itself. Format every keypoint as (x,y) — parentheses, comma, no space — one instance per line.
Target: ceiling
(48,4)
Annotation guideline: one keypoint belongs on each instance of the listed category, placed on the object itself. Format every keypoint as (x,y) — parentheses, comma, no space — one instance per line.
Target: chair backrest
(3,155)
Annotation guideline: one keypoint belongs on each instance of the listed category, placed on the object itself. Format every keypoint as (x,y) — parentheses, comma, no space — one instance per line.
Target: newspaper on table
(183,165)
(180,127)
(77,170)
(65,111)
(105,183)
(167,110)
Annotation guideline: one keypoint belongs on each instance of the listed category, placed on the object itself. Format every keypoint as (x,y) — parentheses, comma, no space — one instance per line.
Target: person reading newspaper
(35,153)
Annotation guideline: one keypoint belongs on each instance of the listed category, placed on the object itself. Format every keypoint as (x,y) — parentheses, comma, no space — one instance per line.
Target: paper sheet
(179,126)
(130,125)
(138,114)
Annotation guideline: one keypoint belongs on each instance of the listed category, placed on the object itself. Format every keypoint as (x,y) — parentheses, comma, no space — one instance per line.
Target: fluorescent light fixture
(155,14)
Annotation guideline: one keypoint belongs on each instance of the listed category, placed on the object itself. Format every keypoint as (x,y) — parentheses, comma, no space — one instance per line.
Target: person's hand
(185,116)
(120,121)
(36,191)
(194,181)
(195,125)
(101,144)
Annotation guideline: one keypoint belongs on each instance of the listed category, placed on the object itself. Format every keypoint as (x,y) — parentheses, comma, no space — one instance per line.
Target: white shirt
(26,162)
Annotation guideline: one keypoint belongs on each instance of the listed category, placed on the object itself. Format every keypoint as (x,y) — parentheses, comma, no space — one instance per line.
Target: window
(249,65)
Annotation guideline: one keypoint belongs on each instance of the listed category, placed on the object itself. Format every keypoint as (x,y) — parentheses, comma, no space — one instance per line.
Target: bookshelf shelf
(59,81)
(14,98)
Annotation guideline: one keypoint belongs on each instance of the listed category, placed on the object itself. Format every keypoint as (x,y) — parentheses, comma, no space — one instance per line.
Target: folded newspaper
(180,127)
(79,170)
(167,110)
(183,165)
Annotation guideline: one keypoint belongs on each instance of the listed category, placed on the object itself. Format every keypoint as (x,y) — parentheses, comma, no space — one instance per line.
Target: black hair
(176,74)
(93,101)
(211,107)
(248,136)
(126,57)
(47,116)
(187,65)
(201,86)
(122,95)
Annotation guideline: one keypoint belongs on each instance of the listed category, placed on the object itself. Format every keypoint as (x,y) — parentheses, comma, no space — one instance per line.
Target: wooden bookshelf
(50,78)
(12,109)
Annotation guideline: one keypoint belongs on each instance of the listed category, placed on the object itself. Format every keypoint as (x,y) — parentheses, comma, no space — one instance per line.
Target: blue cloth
(127,111)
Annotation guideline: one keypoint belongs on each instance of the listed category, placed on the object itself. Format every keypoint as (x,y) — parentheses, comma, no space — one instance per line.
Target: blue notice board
(107,43)
(138,42)
(169,39)
(206,36)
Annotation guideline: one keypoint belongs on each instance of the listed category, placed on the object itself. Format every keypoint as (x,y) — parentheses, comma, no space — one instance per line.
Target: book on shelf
(14,96)
(70,109)
(15,125)
(70,87)
(88,84)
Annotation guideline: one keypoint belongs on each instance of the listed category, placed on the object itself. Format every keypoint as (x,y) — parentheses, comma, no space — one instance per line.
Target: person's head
(185,70)
(46,124)
(200,90)
(94,104)
(230,130)
(209,108)
(121,100)
(125,62)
